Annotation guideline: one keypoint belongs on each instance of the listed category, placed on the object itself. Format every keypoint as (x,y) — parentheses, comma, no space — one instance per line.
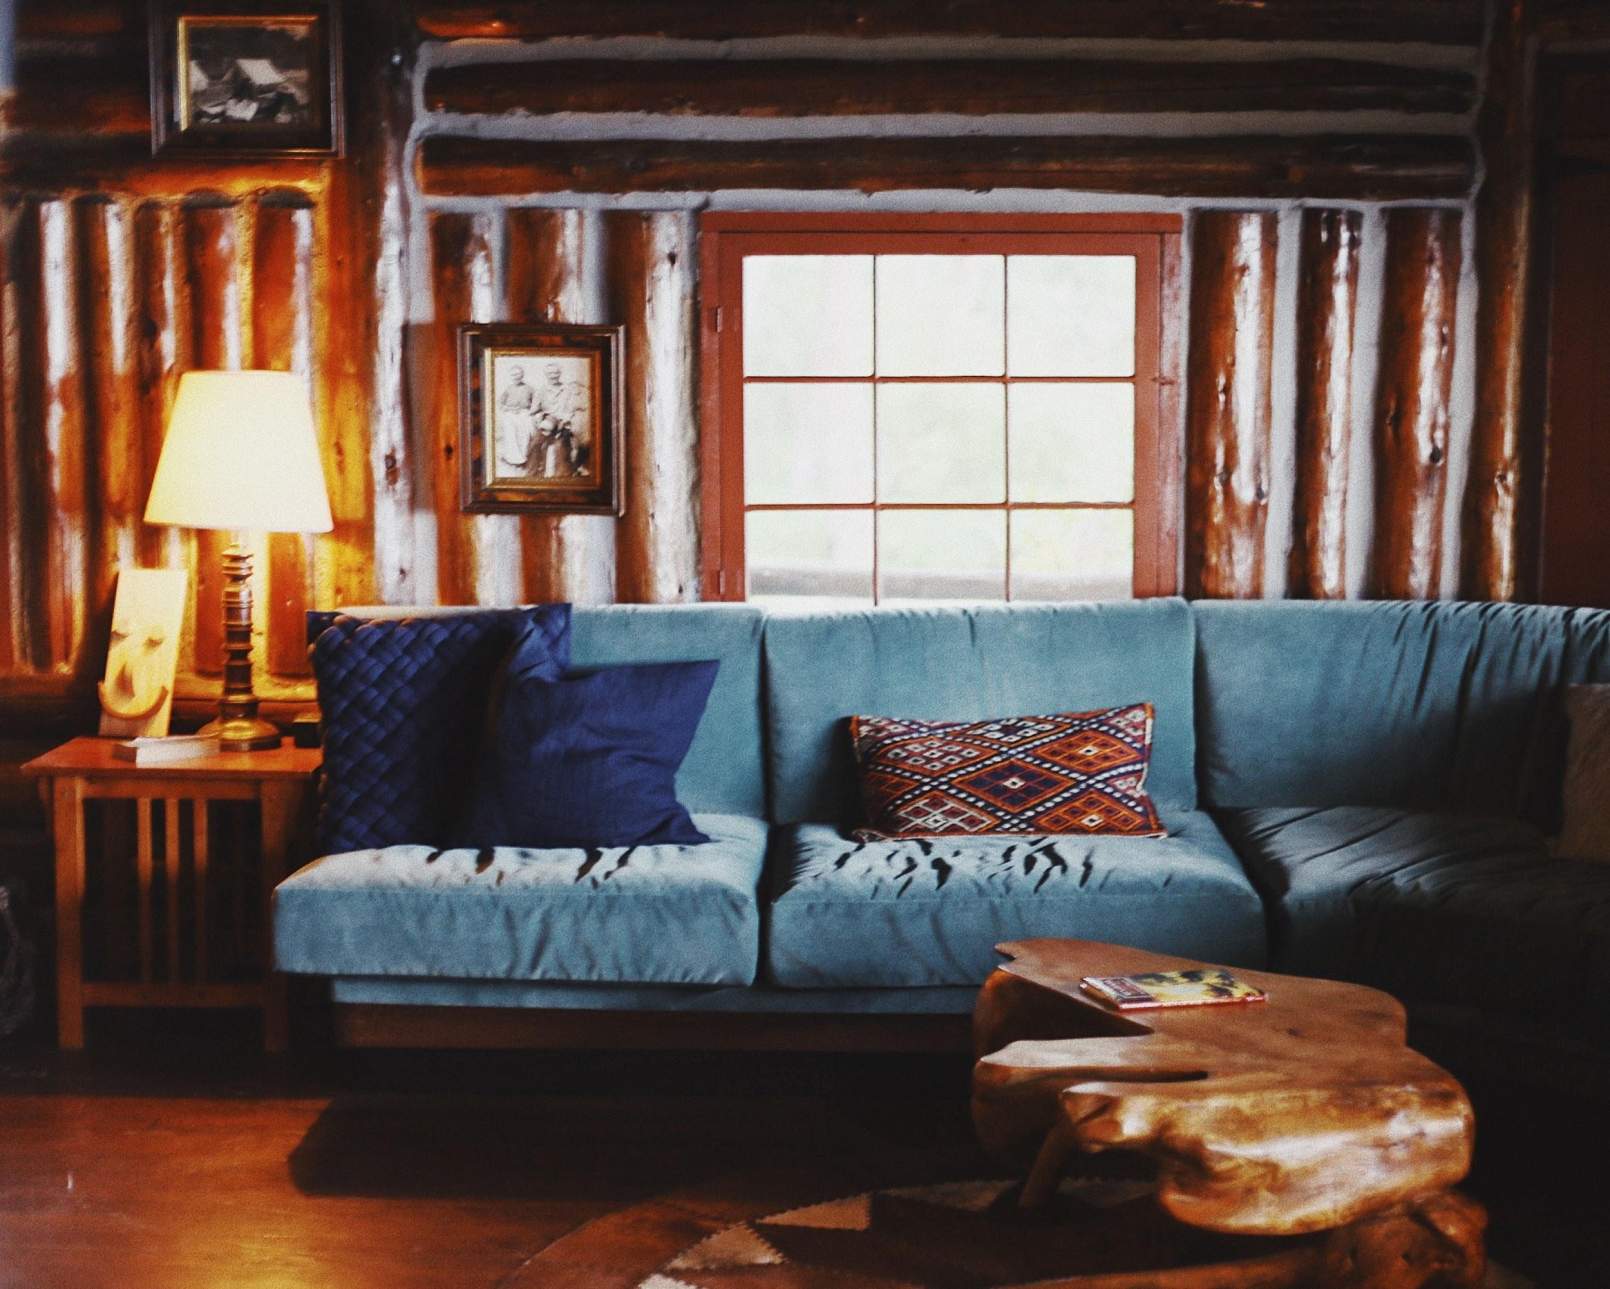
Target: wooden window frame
(726,237)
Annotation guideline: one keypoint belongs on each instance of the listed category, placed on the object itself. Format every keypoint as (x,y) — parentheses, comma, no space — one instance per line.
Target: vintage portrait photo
(540,417)
(245,78)
(247,70)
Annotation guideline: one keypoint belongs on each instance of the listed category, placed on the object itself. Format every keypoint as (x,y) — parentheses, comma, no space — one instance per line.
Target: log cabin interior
(1142,304)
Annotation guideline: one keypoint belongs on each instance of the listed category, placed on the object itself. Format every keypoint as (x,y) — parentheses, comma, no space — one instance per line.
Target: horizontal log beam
(1356,167)
(52,160)
(107,98)
(1440,22)
(832,87)
(83,19)
(1572,22)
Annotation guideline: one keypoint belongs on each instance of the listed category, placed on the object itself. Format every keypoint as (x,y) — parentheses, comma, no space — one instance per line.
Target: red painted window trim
(725,237)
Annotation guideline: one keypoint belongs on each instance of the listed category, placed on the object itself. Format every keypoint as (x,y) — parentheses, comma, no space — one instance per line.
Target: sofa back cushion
(722,772)
(967,664)
(1430,705)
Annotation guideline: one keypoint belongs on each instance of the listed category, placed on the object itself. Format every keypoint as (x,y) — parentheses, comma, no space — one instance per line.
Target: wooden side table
(278,780)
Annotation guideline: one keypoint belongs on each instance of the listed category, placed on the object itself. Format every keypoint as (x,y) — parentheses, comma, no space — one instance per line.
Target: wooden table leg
(170,819)
(199,852)
(67,825)
(143,859)
(281,807)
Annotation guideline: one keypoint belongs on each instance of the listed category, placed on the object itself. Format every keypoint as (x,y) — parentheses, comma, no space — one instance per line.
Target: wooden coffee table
(1304,1115)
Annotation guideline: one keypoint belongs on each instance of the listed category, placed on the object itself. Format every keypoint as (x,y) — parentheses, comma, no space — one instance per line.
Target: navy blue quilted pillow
(403,702)
(589,760)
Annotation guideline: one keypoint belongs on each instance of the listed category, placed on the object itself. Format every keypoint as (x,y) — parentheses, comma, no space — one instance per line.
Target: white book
(160,751)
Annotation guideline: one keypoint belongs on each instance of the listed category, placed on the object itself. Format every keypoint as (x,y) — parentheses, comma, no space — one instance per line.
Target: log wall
(1229,402)
(1327,305)
(1413,409)
(531,189)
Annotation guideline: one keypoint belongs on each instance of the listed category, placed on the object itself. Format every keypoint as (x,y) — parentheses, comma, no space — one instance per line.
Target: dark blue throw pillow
(403,702)
(588,760)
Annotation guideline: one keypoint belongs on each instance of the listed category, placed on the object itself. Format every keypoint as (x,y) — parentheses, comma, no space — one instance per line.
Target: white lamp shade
(241,452)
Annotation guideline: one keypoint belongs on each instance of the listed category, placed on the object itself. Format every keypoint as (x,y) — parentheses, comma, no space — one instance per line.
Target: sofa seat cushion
(674,915)
(930,911)
(1440,910)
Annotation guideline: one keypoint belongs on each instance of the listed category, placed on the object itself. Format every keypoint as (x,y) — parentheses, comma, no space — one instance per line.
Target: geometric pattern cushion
(403,703)
(1076,772)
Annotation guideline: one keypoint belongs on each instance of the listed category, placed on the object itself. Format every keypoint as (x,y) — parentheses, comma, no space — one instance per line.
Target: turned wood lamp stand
(238,727)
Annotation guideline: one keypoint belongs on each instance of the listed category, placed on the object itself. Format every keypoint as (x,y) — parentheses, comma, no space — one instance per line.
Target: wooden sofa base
(376,1025)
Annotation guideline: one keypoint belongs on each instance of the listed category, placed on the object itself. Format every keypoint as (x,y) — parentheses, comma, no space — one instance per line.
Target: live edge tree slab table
(1304,1116)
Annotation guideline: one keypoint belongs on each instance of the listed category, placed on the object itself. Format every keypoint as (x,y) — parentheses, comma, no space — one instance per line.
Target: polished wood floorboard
(178,1160)
(192,1167)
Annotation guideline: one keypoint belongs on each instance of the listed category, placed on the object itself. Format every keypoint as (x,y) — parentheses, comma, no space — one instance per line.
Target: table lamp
(241,455)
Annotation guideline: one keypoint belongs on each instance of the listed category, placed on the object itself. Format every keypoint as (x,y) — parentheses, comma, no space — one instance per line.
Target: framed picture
(246,79)
(540,418)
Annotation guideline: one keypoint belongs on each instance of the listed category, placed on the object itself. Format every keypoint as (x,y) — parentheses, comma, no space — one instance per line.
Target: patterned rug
(955,1235)
(968,1235)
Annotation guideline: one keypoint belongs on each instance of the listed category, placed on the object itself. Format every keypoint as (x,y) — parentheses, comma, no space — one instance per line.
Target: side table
(279,780)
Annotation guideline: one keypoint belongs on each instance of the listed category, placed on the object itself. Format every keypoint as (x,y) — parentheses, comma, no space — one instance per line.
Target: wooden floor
(177,1161)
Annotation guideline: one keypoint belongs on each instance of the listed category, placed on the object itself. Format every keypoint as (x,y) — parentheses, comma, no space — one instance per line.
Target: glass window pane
(807,315)
(941,443)
(1073,554)
(941,554)
(1072,442)
(1070,315)
(807,443)
(809,554)
(941,315)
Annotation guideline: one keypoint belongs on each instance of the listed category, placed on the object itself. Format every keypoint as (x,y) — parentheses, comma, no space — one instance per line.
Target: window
(928,408)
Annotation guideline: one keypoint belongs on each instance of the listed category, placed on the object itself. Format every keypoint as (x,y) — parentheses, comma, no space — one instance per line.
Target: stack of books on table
(161,751)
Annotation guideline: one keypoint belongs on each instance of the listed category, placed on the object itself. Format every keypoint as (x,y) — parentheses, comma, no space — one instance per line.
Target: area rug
(973,1235)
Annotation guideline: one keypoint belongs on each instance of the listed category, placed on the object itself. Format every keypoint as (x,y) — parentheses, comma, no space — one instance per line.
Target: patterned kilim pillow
(1076,772)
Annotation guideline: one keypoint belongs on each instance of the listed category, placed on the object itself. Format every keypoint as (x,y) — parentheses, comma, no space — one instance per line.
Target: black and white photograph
(247,71)
(245,80)
(540,418)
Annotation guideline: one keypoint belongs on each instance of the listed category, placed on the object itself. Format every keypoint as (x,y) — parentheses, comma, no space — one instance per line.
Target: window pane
(1073,554)
(941,315)
(809,554)
(941,554)
(808,315)
(941,443)
(807,443)
(1072,442)
(1070,315)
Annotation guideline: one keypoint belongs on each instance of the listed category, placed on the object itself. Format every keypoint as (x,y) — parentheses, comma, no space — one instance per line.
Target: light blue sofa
(1358,790)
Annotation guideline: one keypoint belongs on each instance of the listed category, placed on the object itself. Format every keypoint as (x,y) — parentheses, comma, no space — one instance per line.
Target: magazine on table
(1198,987)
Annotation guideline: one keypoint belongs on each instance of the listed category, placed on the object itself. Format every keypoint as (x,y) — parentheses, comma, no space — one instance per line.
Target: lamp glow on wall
(241,455)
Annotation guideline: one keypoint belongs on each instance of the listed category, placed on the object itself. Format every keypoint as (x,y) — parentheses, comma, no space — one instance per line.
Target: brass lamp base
(242,733)
(238,727)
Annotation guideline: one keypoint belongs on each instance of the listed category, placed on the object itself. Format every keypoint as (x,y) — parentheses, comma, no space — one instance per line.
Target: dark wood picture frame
(569,468)
(174,23)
